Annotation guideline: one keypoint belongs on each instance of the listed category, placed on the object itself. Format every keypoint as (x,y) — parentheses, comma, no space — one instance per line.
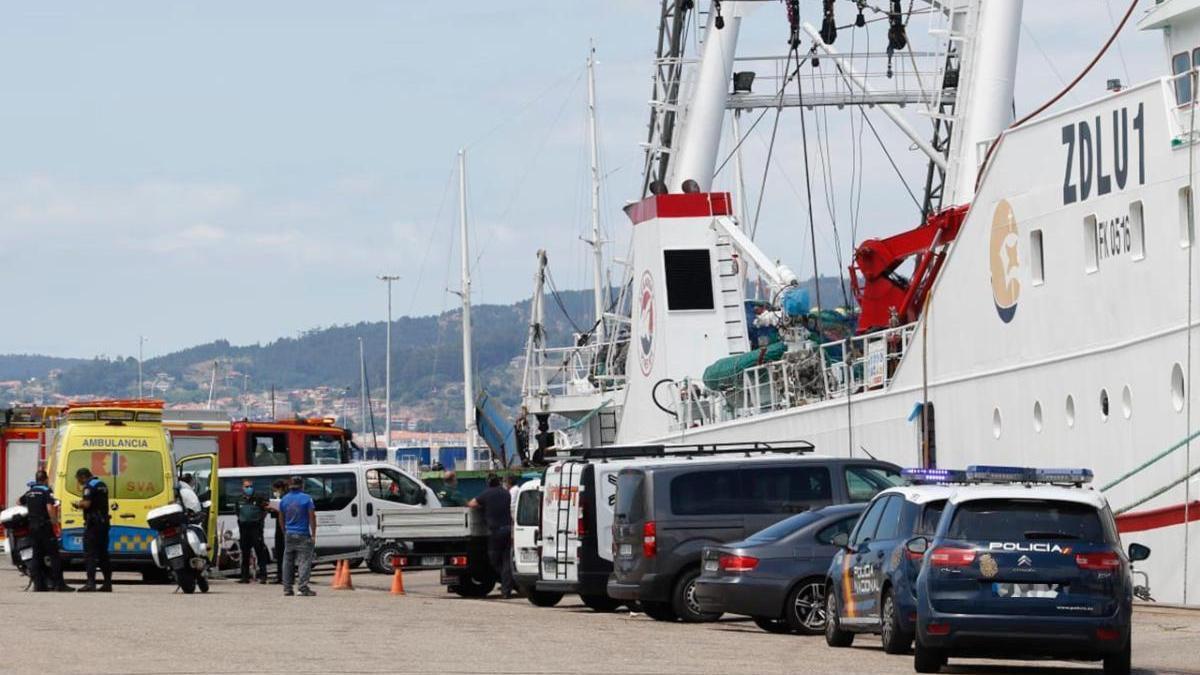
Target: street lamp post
(141,344)
(387,365)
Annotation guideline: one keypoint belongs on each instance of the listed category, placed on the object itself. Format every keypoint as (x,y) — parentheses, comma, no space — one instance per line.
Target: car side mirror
(917,545)
(1138,552)
(841,539)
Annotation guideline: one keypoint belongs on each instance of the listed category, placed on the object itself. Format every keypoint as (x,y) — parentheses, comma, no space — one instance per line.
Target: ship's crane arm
(878,288)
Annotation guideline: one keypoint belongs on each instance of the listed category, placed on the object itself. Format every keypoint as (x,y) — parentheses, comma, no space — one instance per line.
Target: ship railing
(586,369)
(864,362)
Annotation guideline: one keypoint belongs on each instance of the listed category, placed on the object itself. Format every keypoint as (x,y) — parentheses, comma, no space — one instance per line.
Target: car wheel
(600,603)
(928,659)
(805,609)
(1119,663)
(542,598)
(684,602)
(895,639)
(659,611)
(772,625)
(381,559)
(835,635)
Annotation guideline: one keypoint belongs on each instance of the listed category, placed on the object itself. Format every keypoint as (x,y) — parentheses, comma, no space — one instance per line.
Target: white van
(578,495)
(349,500)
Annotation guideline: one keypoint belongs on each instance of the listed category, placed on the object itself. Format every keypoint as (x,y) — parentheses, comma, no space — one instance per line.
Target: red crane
(880,290)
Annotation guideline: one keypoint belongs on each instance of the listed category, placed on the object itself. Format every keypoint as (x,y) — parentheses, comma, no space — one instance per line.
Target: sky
(198,170)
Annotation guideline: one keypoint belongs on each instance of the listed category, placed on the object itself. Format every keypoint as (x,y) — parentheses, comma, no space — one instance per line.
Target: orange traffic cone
(341,577)
(397,578)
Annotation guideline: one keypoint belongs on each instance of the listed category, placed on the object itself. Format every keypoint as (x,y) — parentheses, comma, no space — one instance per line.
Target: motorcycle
(15,520)
(180,546)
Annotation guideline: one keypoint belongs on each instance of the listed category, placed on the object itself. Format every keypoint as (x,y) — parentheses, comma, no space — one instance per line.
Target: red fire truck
(300,440)
(24,433)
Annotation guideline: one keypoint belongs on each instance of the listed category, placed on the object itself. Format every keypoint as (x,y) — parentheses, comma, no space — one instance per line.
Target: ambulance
(124,444)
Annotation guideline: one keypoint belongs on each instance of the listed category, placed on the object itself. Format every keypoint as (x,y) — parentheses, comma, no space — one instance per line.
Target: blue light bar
(918,476)
(1079,476)
(999,474)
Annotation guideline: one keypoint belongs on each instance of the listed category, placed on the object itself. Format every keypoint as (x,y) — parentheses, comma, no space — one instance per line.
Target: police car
(870,580)
(1028,566)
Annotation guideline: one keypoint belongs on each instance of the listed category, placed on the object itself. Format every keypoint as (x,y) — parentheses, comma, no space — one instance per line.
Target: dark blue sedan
(777,575)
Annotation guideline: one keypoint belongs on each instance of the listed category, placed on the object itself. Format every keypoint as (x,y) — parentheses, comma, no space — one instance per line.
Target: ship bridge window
(689,279)
(1035,253)
(1181,64)
(1137,230)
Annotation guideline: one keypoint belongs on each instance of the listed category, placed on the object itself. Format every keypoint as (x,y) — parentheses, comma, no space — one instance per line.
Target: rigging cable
(793,11)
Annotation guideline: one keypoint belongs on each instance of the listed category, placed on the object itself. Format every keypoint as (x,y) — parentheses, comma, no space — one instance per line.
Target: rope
(1161,491)
(1144,465)
(812,228)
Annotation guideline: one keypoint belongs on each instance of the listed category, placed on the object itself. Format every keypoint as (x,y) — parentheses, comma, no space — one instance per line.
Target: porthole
(996,422)
(1070,411)
(1127,402)
(1103,405)
(1037,416)
(1177,385)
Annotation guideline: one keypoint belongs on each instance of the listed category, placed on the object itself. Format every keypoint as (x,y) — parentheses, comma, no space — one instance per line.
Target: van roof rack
(686,450)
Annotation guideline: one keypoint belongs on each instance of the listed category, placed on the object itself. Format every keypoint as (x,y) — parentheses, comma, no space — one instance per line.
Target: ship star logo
(646,323)
(1005,263)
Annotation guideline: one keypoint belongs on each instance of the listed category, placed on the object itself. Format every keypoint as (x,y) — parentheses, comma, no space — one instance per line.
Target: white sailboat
(1050,319)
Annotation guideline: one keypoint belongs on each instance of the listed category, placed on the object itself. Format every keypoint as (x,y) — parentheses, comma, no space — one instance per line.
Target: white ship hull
(1088,325)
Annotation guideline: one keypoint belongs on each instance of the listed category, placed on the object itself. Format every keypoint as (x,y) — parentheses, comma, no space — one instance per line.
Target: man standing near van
(252,513)
(300,532)
(95,530)
(46,570)
(496,504)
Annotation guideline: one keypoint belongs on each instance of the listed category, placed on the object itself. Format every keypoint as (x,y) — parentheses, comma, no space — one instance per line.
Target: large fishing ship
(1041,311)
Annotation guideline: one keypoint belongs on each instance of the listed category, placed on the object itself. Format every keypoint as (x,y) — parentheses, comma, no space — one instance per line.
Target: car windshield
(783,528)
(1025,520)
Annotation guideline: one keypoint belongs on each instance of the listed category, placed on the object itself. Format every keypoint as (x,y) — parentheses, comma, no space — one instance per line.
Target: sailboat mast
(468,379)
(363,396)
(597,245)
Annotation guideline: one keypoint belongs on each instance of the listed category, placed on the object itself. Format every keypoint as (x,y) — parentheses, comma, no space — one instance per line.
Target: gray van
(668,510)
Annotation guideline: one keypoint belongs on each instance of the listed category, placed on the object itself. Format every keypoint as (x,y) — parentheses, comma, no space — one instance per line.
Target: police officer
(95,530)
(46,570)
(252,513)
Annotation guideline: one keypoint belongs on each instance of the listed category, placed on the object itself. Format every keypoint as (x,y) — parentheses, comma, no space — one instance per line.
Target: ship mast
(598,293)
(465,293)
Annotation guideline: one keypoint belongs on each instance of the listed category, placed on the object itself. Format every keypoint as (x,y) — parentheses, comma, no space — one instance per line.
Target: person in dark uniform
(252,513)
(449,494)
(95,530)
(46,570)
(496,504)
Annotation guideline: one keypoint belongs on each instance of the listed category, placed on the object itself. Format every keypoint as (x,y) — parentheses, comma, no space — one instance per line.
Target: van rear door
(560,521)
(633,540)
(527,529)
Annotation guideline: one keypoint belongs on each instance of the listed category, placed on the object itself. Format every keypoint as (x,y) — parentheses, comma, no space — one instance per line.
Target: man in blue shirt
(300,532)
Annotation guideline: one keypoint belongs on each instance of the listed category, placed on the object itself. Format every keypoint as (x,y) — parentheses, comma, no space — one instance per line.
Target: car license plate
(1011,590)
(175,551)
(27,554)
(431,561)
(626,551)
(710,565)
(529,555)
